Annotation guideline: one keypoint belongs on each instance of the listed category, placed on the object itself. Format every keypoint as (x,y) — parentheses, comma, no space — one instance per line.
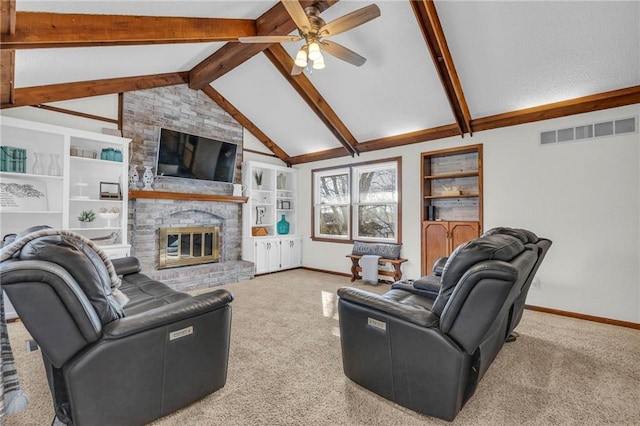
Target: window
(357,202)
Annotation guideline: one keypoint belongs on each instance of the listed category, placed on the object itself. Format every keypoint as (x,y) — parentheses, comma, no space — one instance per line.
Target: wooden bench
(396,273)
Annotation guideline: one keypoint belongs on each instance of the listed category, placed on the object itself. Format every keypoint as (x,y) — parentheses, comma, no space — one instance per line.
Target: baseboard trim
(593,318)
(342,274)
(569,314)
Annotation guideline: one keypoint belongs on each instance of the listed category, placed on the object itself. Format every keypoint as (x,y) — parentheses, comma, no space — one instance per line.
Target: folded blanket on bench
(369,265)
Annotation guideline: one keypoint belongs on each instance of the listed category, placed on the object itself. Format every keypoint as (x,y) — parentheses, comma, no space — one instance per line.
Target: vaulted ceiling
(433,70)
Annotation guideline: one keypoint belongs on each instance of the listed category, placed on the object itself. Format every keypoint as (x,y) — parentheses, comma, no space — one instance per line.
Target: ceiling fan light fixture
(301,58)
(318,64)
(314,51)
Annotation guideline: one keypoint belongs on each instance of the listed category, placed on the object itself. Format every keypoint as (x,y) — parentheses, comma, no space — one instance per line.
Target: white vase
(133,177)
(54,166)
(38,167)
(147,178)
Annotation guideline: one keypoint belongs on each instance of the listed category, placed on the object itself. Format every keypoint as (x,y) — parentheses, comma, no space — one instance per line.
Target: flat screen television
(195,157)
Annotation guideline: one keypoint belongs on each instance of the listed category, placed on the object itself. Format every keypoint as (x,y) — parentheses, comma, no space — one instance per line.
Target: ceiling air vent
(590,131)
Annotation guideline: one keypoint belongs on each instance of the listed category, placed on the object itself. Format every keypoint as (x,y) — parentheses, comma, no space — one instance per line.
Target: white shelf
(65,194)
(32,211)
(30,176)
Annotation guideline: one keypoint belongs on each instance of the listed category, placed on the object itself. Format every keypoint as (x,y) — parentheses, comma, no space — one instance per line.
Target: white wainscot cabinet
(274,254)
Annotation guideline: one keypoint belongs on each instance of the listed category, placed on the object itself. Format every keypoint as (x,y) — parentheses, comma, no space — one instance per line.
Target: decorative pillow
(386,250)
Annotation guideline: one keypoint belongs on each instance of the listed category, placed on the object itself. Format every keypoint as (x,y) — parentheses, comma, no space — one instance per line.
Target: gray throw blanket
(369,265)
(12,399)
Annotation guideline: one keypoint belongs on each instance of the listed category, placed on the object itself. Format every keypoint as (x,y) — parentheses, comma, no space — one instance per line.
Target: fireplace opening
(182,246)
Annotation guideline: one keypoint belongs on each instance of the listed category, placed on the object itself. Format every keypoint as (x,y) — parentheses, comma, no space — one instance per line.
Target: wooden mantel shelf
(164,195)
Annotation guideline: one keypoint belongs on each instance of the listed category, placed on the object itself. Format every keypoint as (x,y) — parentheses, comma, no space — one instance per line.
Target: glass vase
(283,226)
(38,167)
(54,165)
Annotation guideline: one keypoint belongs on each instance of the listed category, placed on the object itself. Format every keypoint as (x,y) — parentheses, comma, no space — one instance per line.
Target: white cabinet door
(267,255)
(290,252)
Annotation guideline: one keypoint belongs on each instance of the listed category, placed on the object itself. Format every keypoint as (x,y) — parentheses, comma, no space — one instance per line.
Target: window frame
(352,226)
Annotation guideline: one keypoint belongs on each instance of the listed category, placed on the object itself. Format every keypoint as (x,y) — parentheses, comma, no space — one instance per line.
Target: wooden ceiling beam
(7,74)
(318,156)
(7,57)
(597,102)
(275,21)
(284,63)
(64,91)
(418,136)
(429,23)
(246,123)
(7,17)
(48,30)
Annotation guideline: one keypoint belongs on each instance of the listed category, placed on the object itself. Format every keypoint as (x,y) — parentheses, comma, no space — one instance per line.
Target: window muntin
(373,214)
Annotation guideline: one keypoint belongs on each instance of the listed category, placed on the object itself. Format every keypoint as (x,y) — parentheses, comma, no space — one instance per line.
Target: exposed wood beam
(410,138)
(7,58)
(76,113)
(7,74)
(64,91)
(318,156)
(7,17)
(597,102)
(429,23)
(283,62)
(46,30)
(253,151)
(275,21)
(245,122)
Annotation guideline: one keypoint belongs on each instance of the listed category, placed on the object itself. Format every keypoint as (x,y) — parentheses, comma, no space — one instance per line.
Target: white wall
(252,143)
(585,196)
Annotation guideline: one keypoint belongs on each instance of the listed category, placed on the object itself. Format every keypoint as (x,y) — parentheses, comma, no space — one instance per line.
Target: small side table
(396,273)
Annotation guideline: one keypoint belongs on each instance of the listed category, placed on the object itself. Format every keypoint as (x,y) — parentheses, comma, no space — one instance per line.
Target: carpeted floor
(285,368)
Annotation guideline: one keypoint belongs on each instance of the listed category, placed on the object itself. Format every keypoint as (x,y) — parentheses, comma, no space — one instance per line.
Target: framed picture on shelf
(110,191)
(261,211)
(286,205)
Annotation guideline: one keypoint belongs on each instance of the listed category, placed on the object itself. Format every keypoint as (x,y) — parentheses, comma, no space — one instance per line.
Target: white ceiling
(508,55)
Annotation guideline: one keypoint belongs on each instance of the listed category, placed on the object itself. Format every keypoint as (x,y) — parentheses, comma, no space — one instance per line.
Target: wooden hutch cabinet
(451,201)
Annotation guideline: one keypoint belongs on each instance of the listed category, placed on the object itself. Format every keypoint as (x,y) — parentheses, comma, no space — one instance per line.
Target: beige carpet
(285,368)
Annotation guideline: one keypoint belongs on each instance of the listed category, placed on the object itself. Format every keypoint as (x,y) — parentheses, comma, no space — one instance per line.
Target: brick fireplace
(189,111)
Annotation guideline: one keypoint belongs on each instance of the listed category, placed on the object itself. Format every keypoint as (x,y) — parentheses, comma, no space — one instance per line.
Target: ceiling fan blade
(297,14)
(296,70)
(343,53)
(268,39)
(350,20)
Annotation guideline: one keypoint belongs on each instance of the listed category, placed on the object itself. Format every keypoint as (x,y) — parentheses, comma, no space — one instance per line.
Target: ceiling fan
(314,31)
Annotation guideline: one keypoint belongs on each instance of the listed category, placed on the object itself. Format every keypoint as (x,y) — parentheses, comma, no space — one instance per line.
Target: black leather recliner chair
(429,286)
(107,364)
(429,354)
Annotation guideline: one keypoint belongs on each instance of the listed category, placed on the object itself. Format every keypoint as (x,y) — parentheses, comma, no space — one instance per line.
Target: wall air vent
(590,131)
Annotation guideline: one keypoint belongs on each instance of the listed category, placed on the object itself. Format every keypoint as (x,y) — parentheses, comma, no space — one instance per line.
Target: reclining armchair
(429,286)
(107,363)
(429,354)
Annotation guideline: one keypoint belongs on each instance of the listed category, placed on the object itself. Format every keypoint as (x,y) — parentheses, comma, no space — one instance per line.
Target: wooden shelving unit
(450,219)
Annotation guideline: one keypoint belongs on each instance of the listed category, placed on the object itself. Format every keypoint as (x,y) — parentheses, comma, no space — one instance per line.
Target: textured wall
(180,108)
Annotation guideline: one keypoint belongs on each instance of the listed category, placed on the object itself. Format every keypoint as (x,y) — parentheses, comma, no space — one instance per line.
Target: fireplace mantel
(165,195)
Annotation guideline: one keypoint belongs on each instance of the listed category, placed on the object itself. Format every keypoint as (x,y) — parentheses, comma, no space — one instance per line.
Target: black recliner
(107,364)
(428,354)
(429,286)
